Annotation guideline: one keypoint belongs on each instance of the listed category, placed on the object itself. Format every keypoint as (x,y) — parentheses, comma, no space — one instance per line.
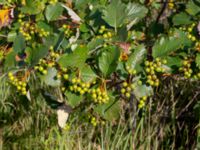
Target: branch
(162,10)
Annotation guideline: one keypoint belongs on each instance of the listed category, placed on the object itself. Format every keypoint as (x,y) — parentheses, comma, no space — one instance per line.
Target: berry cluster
(170,4)
(99,96)
(142,102)
(197,75)
(94,121)
(63,74)
(189,31)
(105,33)
(67,30)
(48,62)
(20,85)
(186,68)
(20,16)
(126,89)
(43,33)
(42,66)
(152,68)
(130,70)
(27,29)
(79,86)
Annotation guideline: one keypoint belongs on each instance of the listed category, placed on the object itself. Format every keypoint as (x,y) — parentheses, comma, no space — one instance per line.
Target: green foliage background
(54,46)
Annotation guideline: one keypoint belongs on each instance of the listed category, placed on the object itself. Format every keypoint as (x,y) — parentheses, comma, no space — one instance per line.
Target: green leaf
(109,111)
(192,8)
(33,7)
(122,34)
(94,43)
(19,44)
(143,90)
(181,19)
(43,25)
(84,28)
(10,61)
(198,60)
(72,99)
(60,39)
(53,11)
(173,64)
(75,59)
(137,56)
(35,54)
(166,45)
(174,61)
(115,14)
(51,100)
(135,12)
(121,70)
(107,61)
(11,36)
(50,78)
(87,74)
(55,40)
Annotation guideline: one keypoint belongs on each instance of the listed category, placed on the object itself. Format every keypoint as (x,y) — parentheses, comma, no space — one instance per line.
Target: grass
(170,121)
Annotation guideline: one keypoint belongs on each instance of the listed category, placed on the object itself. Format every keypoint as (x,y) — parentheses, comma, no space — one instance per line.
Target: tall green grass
(170,121)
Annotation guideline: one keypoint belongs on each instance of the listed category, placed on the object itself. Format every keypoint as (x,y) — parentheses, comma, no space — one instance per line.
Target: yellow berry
(66,76)
(125,84)
(128,95)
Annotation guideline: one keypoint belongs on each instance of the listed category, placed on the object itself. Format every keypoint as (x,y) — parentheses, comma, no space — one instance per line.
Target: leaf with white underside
(72,14)
(63,115)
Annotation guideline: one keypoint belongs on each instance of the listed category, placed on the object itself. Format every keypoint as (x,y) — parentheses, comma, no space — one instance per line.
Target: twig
(1,35)
(183,110)
(162,10)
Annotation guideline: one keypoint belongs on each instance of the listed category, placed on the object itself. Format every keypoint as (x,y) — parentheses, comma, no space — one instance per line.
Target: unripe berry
(10,74)
(133,86)
(23,92)
(74,80)
(146,63)
(128,95)
(66,76)
(101,31)
(148,70)
(134,72)
(164,61)
(41,68)
(144,98)
(19,87)
(151,82)
(159,69)
(44,72)
(125,84)
(128,89)
(193,38)
(103,27)
(11,78)
(139,82)
(105,35)
(158,59)
(82,92)
(109,34)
